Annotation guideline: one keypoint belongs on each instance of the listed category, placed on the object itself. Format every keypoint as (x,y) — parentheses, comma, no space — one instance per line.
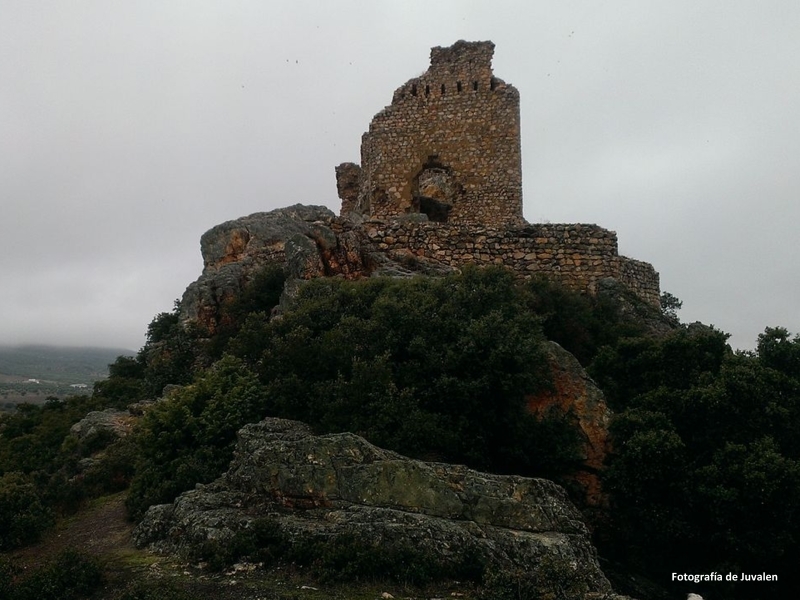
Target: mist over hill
(59,364)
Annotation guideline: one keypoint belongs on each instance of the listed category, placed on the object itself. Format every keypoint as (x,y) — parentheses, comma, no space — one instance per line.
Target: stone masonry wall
(448,145)
(640,278)
(448,150)
(578,255)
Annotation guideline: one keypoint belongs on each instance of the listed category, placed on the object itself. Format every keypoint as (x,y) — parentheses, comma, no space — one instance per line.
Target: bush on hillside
(429,367)
(189,438)
(706,470)
(432,368)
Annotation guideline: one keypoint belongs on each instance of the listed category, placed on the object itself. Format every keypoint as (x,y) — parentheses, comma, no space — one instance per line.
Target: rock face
(299,237)
(315,487)
(575,395)
(308,241)
(111,421)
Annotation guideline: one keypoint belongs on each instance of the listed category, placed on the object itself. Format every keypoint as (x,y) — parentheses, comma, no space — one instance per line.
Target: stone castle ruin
(439,187)
(448,146)
(441,178)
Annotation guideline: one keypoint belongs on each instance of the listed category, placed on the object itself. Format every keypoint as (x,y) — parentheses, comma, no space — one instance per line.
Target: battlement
(462,68)
(448,145)
(441,178)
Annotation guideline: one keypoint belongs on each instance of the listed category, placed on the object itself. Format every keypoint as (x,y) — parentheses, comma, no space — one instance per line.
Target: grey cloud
(128,130)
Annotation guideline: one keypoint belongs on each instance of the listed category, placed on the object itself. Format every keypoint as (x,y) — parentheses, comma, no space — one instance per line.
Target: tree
(457,355)
(778,350)
(670,305)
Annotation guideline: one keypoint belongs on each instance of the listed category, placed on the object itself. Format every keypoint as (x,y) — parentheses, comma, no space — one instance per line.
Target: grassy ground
(101,530)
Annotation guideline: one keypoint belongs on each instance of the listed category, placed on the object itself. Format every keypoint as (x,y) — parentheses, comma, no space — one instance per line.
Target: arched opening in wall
(413,89)
(474,86)
(433,191)
(458,86)
(492,83)
(442,89)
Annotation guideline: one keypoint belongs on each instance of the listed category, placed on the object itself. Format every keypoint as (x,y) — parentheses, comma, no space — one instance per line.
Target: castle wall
(640,278)
(455,132)
(448,146)
(578,255)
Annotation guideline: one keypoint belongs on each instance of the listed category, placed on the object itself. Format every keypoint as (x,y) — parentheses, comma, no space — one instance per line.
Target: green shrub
(70,576)
(705,475)
(432,368)
(552,579)
(189,438)
(160,589)
(23,515)
(8,571)
(429,367)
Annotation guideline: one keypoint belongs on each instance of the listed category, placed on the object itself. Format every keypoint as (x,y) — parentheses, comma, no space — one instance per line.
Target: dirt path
(100,530)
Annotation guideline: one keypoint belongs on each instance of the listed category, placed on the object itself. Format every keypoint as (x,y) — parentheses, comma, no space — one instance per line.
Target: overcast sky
(127,129)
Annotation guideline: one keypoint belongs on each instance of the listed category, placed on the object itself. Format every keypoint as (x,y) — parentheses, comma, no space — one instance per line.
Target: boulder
(318,487)
(111,421)
(299,237)
(576,396)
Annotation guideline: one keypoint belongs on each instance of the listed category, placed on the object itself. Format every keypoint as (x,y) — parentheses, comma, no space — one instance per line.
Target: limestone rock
(116,422)
(575,394)
(298,236)
(315,487)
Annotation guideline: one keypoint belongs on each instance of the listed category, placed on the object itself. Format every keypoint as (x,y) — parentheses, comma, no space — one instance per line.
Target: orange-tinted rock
(576,395)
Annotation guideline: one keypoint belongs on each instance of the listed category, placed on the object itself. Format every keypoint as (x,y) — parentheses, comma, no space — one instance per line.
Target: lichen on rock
(320,487)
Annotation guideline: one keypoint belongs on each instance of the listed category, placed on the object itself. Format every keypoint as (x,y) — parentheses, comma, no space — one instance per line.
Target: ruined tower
(448,146)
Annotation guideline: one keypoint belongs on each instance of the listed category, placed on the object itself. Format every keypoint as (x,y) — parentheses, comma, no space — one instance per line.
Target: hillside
(60,364)
(703,474)
(32,373)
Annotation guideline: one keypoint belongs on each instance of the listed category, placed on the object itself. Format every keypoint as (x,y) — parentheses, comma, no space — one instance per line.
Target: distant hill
(58,364)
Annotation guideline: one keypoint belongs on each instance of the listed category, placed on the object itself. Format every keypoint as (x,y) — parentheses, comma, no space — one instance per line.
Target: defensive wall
(448,145)
(578,255)
(441,178)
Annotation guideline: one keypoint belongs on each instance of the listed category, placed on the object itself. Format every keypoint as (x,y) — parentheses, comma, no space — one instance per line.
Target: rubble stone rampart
(447,146)
(579,255)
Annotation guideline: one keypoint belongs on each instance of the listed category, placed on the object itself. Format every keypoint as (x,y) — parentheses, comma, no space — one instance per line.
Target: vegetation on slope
(705,474)
(31,374)
(432,368)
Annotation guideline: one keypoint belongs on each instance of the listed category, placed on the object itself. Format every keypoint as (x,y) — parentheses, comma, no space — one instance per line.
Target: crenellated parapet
(578,255)
(440,179)
(448,146)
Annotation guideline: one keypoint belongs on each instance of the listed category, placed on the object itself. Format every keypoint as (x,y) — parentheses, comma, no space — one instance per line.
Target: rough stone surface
(298,237)
(348,181)
(311,242)
(576,396)
(578,255)
(439,187)
(448,145)
(315,487)
(111,420)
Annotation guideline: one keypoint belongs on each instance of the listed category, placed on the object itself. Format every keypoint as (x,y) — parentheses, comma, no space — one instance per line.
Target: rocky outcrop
(113,422)
(316,487)
(575,396)
(298,237)
(308,241)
